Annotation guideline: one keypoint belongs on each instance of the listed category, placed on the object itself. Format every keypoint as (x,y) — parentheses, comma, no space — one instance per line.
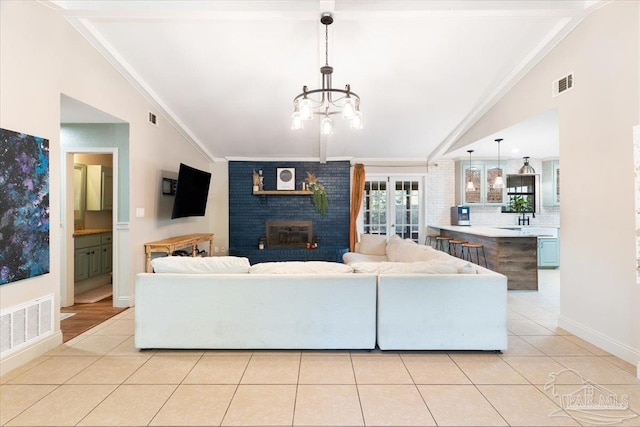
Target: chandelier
(327,101)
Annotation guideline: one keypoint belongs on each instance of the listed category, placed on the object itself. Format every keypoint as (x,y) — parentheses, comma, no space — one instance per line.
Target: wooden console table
(170,245)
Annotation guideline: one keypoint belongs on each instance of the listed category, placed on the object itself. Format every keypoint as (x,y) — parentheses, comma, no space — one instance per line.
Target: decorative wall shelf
(283,193)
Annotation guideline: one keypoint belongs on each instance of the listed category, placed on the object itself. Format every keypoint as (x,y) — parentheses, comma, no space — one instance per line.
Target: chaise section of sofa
(442,311)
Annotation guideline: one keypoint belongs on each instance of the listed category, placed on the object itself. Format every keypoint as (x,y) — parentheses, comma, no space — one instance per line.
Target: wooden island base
(514,256)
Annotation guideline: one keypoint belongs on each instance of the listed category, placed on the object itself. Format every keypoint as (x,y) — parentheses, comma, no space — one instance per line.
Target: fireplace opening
(289,234)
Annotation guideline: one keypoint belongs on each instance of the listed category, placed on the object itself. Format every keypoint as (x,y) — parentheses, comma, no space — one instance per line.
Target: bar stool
(453,247)
(477,247)
(430,239)
(440,242)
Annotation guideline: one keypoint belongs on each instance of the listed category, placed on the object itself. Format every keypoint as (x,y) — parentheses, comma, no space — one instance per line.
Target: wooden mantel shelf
(283,193)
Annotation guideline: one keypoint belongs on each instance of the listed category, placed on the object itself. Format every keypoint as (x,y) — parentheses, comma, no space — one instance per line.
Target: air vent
(24,324)
(562,85)
(153,119)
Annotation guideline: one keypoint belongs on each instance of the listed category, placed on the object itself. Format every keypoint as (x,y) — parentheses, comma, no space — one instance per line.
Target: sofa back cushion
(372,244)
(300,267)
(201,265)
(435,266)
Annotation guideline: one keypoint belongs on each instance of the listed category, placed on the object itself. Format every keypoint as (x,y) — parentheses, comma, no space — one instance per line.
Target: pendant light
(470,186)
(527,168)
(499,182)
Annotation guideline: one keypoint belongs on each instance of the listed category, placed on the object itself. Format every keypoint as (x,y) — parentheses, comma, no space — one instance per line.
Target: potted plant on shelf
(320,199)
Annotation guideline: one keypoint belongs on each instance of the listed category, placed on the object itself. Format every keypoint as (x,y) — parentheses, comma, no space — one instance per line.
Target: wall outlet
(224,250)
(139,212)
(216,249)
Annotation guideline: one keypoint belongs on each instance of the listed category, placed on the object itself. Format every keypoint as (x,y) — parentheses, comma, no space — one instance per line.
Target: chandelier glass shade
(326,101)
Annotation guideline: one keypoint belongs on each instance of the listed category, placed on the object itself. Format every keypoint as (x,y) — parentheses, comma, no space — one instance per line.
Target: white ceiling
(226,72)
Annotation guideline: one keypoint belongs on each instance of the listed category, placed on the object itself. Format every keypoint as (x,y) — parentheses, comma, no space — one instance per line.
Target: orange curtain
(357,192)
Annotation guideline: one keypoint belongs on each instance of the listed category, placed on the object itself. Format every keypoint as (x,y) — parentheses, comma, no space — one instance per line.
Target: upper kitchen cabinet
(477,184)
(99,188)
(551,183)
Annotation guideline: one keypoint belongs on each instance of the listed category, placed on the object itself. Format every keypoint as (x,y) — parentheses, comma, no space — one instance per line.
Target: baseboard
(123,302)
(27,354)
(606,343)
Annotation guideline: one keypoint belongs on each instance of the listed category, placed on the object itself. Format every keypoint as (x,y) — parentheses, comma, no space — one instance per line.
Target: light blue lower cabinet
(548,252)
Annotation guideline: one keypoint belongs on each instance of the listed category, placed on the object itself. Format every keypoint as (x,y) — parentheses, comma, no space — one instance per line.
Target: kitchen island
(513,253)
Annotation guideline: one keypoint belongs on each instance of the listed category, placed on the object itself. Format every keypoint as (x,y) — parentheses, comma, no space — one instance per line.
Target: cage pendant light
(326,101)
(470,185)
(499,181)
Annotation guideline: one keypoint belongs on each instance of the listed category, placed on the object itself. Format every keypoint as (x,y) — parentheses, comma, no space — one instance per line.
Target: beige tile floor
(100,379)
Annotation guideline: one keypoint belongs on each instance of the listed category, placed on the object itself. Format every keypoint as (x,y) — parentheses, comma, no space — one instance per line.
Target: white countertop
(501,231)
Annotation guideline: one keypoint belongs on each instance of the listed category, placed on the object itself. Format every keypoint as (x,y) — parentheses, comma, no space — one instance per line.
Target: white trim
(615,347)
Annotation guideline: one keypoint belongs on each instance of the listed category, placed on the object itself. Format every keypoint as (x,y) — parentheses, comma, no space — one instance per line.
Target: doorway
(393,205)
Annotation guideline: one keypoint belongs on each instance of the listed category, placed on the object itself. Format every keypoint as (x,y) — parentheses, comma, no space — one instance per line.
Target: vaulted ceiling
(226,72)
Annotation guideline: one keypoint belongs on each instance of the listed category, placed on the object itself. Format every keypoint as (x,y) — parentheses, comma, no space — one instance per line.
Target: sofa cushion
(201,265)
(300,267)
(351,257)
(372,244)
(435,266)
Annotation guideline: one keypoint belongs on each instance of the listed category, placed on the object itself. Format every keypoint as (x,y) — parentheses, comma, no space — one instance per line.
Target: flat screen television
(191,192)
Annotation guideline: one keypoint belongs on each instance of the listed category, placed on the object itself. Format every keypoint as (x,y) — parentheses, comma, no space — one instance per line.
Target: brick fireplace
(289,234)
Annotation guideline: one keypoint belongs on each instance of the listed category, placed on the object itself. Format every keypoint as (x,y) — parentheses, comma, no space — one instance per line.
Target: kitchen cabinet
(481,175)
(548,252)
(99,188)
(551,183)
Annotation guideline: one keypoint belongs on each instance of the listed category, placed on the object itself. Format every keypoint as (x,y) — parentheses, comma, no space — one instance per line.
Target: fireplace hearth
(289,234)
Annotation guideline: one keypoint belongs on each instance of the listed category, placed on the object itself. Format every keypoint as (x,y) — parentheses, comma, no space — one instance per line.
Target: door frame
(381,176)
(67,220)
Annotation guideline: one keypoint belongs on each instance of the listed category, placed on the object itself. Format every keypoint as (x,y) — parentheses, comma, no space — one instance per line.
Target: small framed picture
(286,179)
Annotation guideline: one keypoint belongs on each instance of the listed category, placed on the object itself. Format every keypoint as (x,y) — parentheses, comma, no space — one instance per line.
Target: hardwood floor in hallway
(86,317)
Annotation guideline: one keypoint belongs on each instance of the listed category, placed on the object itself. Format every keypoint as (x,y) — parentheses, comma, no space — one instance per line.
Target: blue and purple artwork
(24,206)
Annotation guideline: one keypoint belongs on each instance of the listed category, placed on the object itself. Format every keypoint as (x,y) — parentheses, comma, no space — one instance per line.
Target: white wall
(600,299)
(42,58)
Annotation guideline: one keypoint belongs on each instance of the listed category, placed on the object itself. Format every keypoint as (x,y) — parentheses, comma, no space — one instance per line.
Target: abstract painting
(24,206)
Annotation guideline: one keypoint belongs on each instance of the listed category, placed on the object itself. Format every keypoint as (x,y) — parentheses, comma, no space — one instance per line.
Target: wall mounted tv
(191,192)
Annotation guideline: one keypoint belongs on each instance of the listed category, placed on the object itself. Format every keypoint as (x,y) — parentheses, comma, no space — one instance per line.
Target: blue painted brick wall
(248,213)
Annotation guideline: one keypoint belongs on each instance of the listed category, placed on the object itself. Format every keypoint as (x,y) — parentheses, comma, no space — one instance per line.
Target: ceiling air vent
(562,85)
(153,119)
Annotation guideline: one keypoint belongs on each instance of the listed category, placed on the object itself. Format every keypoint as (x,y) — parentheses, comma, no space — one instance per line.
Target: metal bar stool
(477,247)
(440,242)
(454,244)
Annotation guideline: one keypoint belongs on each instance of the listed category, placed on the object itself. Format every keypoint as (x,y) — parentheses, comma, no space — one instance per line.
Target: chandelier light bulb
(499,182)
(296,121)
(356,121)
(348,109)
(306,109)
(470,186)
(326,126)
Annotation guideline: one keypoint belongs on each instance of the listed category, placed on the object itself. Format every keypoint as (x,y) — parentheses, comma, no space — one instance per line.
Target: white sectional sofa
(429,300)
(218,306)
(409,298)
